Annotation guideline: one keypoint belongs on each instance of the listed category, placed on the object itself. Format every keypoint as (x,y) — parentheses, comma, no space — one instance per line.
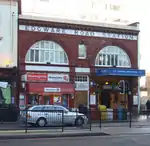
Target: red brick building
(71,63)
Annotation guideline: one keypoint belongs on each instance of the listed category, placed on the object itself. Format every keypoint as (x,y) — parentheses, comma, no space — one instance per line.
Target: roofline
(78,22)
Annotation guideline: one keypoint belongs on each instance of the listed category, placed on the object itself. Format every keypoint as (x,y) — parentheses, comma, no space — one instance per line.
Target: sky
(94,10)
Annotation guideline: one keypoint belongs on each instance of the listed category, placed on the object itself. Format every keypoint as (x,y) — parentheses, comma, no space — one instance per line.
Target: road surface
(140,140)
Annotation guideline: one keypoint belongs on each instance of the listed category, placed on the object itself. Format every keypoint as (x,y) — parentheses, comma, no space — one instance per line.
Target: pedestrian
(148,107)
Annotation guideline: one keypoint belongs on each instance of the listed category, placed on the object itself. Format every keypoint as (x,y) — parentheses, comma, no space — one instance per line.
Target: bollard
(62,121)
(100,121)
(26,123)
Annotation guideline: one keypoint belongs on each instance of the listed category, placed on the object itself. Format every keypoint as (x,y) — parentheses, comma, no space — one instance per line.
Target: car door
(59,114)
(49,112)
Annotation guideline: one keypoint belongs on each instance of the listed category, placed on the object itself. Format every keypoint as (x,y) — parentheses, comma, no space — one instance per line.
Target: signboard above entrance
(120,72)
(76,32)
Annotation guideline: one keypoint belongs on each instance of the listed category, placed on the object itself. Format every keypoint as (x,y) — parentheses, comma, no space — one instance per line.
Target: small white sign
(135,100)
(92,99)
(58,78)
(82,86)
(23,77)
(3,84)
(52,89)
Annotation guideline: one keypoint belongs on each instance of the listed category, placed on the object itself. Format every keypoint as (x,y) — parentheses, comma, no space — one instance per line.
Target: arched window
(112,56)
(46,52)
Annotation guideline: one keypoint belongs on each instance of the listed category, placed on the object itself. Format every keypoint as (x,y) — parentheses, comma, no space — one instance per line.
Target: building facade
(72,63)
(8,50)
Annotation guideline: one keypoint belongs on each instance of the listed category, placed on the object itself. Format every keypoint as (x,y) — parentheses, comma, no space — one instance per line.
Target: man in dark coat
(148,108)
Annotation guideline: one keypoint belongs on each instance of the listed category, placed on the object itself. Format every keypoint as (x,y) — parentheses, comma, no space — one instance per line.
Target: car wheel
(41,122)
(79,121)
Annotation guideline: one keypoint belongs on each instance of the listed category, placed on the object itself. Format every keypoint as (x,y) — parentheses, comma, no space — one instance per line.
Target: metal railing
(61,121)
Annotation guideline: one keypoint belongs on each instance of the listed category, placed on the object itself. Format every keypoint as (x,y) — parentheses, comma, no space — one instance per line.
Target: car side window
(37,108)
(59,108)
(49,108)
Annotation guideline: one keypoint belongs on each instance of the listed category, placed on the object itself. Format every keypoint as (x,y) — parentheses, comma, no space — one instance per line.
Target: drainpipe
(138,49)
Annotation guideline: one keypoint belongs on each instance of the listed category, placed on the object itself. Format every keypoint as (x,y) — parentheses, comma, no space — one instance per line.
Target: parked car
(43,115)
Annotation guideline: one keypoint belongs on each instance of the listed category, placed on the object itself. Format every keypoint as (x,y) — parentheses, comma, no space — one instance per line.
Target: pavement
(17,130)
(57,133)
(142,121)
(142,140)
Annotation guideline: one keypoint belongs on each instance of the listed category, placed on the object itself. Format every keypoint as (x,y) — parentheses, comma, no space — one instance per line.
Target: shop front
(105,89)
(48,88)
(49,93)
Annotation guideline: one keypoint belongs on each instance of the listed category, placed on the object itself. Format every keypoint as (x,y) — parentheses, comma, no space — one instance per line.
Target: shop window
(112,56)
(46,52)
(81,78)
(82,51)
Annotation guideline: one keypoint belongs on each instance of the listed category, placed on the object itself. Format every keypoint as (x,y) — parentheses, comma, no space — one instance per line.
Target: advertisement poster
(64,101)
(21,101)
(5,95)
(57,99)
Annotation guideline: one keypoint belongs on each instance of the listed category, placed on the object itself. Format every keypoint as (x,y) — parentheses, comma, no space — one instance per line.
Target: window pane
(42,44)
(100,59)
(59,108)
(51,56)
(37,45)
(41,55)
(46,44)
(36,55)
(63,58)
(28,56)
(81,50)
(108,60)
(57,57)
(104,59)
(51,108)
(51,45)
(32,55)
(112,60)
(37,109)
(116,60)
(47,56)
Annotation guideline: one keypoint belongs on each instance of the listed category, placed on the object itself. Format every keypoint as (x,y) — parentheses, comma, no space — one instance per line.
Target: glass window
(60,108)
(112,56)
(50,108)
(32,55)
(28,56)
(46,51)
(81,78)
(41,55)
(36,55)
(38,108)
(81,51)
(47,56)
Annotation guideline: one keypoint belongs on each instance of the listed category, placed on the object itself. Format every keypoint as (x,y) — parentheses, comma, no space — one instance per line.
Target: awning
(120,72)
(65,88)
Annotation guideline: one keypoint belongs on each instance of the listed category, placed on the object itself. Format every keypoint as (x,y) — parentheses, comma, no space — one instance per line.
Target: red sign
(37,77)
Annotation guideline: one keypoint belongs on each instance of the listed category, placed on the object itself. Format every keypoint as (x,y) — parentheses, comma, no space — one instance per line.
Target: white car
(43,115)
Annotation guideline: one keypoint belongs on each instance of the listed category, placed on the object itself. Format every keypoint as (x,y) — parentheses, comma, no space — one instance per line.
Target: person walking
(148,108)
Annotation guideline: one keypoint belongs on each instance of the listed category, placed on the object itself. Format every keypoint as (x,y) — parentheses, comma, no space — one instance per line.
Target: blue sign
(120,72)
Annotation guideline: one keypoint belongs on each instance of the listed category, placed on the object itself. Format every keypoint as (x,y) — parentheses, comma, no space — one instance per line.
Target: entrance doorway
(105,98)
